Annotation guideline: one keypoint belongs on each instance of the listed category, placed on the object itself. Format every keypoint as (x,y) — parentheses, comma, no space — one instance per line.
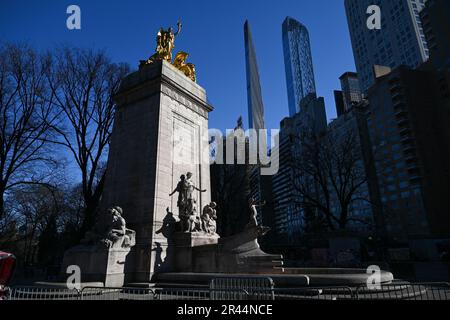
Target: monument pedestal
(98,264)
(195,252)
(241,253)
(199,252)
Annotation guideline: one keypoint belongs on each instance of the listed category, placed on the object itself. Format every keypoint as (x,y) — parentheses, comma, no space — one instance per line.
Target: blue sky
(212,34)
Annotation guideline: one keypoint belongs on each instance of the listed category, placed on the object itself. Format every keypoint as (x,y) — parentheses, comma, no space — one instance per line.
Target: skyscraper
(350,89)
(298,63)
(339,101)
(254,95)
(288,215)
(255,115)
(401,40)
(230,188)
(435,21)
(435,17)
(410,158)
(307,118)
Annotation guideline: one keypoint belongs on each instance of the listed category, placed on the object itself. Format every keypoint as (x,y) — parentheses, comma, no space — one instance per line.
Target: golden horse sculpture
(187,68)
(165,43)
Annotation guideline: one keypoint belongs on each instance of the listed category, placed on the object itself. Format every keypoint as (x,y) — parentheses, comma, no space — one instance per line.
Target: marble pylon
(160,132)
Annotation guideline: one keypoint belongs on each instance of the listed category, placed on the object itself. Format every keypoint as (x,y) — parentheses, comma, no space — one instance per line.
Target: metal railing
(43,293)
(406,291)
(224,290)
(315,293)
(242,288)
(110,293)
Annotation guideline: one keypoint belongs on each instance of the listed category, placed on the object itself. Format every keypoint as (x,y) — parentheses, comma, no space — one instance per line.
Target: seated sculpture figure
(209,216)
(111,231)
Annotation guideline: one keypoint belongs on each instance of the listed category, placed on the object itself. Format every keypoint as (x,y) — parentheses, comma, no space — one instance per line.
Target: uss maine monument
(159,164)
(159,134)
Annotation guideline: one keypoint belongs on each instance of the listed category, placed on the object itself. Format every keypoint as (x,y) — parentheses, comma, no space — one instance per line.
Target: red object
(7,264)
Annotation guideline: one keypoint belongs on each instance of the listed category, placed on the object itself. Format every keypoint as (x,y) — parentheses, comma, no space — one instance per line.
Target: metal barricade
(242,288)
(182,294)
(43,293)
(315,293)
(110,293)
(406,291)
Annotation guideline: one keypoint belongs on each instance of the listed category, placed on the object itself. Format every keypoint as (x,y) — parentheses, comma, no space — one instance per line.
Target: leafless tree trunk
(26,119)
(83,83)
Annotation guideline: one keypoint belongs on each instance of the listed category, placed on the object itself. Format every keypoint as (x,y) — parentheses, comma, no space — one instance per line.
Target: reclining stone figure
(110,231)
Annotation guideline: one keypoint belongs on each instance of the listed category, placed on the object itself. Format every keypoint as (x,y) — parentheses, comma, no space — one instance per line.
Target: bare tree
(26,119)
(43,218)
(34,207)
(330,174)
(83,83)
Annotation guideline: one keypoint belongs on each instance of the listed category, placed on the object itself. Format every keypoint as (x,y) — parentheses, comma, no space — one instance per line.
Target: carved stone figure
(187,211)
(209,217)
(196,225)
(168,225)
(189,189)
(111,231)
(181,195)
(254,213)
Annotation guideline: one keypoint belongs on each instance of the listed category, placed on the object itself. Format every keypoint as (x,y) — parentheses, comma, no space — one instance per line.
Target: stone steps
(263,263)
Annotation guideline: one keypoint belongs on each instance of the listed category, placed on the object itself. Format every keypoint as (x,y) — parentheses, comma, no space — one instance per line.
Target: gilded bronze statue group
(187,208)
(165,43)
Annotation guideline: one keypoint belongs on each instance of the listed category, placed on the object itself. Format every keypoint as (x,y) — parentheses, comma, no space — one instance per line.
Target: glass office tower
(298,63)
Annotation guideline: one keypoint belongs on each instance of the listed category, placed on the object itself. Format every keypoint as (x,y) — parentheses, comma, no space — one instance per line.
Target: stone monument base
(98,264)
(287,278)
(201,252)
(201,258)
(241,253)
(195,252)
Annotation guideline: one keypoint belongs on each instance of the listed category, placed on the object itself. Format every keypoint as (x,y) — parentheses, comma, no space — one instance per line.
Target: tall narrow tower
(298,63)
(254,96)
(255,113)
